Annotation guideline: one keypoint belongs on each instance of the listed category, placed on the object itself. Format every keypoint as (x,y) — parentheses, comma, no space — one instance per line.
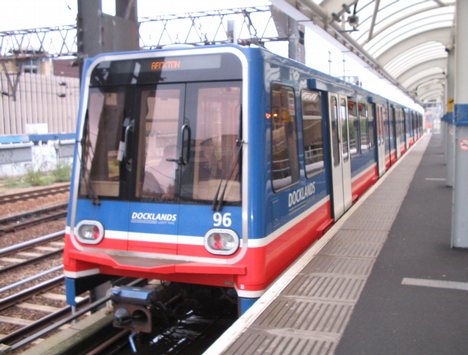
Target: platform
(383,280)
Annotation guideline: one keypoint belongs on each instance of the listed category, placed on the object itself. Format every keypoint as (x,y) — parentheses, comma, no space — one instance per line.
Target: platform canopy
(407,40)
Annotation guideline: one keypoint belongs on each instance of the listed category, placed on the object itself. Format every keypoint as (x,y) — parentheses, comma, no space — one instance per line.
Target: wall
(18,159)
(35,103)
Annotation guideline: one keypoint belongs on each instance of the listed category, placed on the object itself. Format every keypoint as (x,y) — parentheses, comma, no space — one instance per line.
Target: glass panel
(392,128)
(313,139)
(418,54)
(380,124)
(409,124)
(344,128)
(386,127)
(285,167)
(353,126)
(214,112)
(334,131)
(371,126)
(392,36)
(103,132)
(399,124)
(159,117)
(364,127)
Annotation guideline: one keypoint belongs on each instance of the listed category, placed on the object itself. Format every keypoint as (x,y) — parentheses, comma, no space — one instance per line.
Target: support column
(296,41)
(289,28)
(448,117)
(460,188)
(98,32)
(449,139)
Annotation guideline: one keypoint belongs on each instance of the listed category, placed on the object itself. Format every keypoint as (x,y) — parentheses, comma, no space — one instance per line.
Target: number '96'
(222,219)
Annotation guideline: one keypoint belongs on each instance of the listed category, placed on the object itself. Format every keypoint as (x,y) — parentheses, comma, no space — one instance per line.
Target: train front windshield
(164,129)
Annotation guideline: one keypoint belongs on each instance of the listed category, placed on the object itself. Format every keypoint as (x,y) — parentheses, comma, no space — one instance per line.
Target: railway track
(22,220)
(32,308)
(31,299)
(34,193)
(31,251)
(192,333)
(52,317)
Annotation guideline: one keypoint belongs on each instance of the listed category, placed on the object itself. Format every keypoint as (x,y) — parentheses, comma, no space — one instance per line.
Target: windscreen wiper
(90,193)
(218,200)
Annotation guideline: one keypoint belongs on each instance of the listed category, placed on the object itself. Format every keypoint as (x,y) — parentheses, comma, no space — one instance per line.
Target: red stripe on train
(264,263)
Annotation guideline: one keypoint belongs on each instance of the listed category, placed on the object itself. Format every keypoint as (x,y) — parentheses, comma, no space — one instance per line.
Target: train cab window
(216,159)
(353,124)
(158,139)
(189,142)
(285,164)
(312,127)
(100,174)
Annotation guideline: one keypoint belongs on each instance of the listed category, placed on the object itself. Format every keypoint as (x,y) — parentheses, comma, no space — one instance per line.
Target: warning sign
(464,144)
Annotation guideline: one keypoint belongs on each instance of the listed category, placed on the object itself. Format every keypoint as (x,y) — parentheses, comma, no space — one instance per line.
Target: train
(215,166)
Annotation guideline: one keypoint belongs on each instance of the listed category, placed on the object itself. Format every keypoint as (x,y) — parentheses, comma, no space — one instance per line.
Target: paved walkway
(384,280)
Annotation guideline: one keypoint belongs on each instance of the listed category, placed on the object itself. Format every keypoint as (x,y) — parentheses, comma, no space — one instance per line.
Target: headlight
(221,241)
(90,232)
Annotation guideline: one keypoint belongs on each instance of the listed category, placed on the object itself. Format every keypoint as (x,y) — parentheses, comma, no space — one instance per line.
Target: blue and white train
(217,165)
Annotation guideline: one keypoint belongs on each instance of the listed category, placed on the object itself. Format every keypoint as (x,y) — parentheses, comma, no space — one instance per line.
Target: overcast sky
(24,14)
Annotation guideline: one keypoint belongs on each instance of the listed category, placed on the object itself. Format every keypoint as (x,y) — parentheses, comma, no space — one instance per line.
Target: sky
(24,14)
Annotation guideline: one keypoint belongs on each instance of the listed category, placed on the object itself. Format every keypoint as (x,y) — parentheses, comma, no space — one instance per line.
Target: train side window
(285,164)
(396,121)
(311,102)
(386,130)
(364,126)
(401,124)
(353,124)
(344,126)
(371,127)
(334,131)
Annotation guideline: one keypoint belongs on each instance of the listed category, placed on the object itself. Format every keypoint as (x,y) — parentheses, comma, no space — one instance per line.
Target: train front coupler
(141,309)
(133,308)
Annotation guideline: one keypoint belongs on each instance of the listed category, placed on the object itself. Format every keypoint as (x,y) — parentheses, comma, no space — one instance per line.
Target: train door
(340,157)
(380,140)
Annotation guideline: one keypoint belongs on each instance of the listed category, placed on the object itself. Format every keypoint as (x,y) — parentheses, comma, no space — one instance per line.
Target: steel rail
(24,294)
(21,220)
(31,278)
(30,261)
(27,214)
(28,243)
(24,195)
